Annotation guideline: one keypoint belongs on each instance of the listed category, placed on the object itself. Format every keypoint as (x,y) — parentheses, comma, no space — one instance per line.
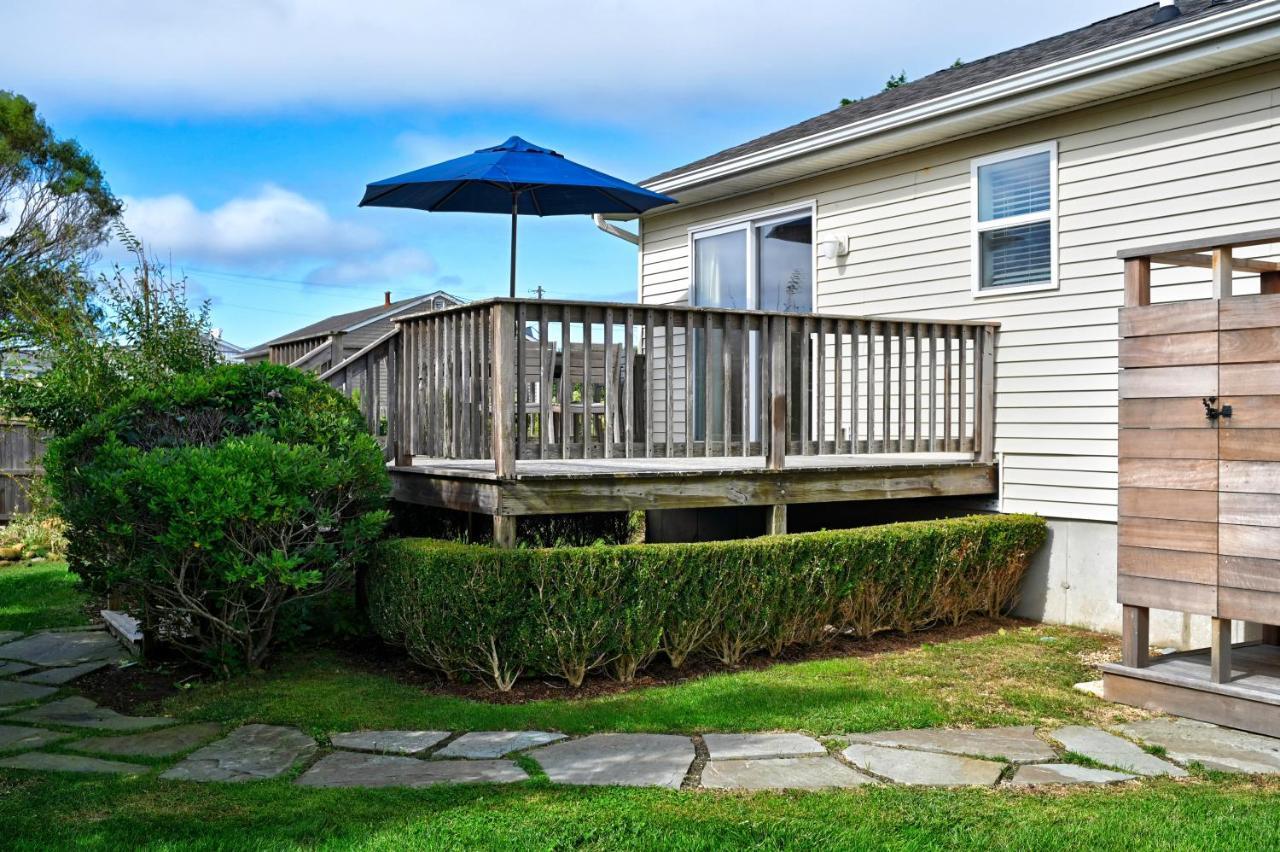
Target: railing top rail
(487,303)
(350,359)
(1238,240)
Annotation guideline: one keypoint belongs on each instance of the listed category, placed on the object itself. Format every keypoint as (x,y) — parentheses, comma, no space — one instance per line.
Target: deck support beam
(1135,636)
(1220,650)
(1271,634)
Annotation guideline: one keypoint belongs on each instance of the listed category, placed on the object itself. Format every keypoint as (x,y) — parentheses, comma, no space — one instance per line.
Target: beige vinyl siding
(1191,161)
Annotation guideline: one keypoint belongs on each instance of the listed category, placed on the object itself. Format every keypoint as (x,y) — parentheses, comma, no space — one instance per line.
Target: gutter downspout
(610,228)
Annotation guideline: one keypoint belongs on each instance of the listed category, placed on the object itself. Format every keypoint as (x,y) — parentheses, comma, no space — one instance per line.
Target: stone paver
(479,745)
(628,760)
(791,773)
(246,754)
(1114,751)
(78,712)
(924,768)
(9,635)
(14,738)
(760,746)
(1016,745)
(45,762)
(1216,748)
(13,692)
(1090,687)
(64,674)
(165,742)
(1037,774)
(388,742)
(354,769)
(8,668)
(63,648)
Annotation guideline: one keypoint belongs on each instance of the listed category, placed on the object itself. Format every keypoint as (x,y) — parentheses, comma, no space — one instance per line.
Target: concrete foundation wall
(1073,581)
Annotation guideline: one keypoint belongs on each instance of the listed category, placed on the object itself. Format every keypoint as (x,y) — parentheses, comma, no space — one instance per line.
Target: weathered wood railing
(510,379)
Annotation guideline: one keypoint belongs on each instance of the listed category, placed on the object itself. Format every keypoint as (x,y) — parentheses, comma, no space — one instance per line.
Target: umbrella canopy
(517,178)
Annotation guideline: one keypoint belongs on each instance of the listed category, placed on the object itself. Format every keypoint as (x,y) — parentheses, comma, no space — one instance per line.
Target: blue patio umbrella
(515,177)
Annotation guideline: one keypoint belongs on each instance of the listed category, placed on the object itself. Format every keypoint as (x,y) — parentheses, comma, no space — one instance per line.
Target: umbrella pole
(515,210)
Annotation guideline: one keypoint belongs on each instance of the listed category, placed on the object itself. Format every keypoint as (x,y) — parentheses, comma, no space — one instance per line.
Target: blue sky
(241,133)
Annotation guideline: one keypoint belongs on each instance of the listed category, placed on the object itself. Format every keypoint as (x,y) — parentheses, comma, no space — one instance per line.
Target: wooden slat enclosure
(21,447)
(1199,501)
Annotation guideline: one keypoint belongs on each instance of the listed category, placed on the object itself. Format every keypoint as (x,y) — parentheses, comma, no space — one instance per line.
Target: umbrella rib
(381,195)
(450,194)
(609,195)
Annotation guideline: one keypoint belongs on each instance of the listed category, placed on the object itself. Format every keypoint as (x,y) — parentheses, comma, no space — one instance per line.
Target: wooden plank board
(1198,598)
(1169,381)
(1169,318)
(1195,699)
(1198,443)
(1260,477)
(1242,540)
(1186,474)
(1182,565)
(1159,533)
(1164,413)
(1249,605)
(1170,350)
(1249,572)
(1248,345)
(1249,379)
(1251,412)
(1254,510)
(1258,311)
(1170,504)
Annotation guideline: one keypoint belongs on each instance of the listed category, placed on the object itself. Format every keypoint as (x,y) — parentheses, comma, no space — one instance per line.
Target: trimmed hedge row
(499,614)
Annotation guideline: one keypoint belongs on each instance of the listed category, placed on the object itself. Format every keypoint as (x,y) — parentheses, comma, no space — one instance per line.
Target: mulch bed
(141,687)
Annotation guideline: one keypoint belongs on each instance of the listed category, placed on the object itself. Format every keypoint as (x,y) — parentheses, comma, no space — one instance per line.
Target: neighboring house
(1002,190)
(349,332)
(229,352)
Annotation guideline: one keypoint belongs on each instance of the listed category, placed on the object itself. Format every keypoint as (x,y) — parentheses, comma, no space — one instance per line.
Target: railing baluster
(745,363)
(566,383)
(917,374)
(629,380)
(587,396)
(689,371)
(708,362)
(545,368)
(726,358)
(837,434)
(946,391)
(901,444)
(886,358)
(806,384)
(873,329)
(856,332)
(610,389)
(668,383)
(650,352)
(962,389)
(932,445)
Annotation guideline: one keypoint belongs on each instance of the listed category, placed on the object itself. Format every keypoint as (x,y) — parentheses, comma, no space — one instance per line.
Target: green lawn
(1023,675)
(37,596)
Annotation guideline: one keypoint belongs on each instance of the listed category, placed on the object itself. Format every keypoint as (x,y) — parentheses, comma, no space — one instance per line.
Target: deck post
(1220,650)
(986,388)
(1270,283)
(776,523)
(1271,634)
(1135,640)
(1223,273)
(335,348)
(1137,282)
(504,531)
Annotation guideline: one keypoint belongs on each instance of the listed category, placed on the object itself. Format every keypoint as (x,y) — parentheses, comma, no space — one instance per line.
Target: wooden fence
(21,447)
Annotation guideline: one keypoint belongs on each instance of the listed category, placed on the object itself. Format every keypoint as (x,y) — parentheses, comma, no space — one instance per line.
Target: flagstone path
(44,728)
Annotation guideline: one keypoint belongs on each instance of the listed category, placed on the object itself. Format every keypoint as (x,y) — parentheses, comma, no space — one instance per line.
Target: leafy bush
(498,614)
(219,497)
(37,533)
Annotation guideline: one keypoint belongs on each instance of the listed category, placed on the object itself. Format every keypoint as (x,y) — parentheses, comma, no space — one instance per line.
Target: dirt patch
(138,688)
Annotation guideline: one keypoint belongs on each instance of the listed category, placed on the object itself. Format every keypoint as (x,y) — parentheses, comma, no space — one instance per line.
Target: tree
(896,80)
(134,329)
(55,209)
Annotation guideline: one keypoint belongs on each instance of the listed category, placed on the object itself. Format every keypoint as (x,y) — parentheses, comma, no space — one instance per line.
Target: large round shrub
(218,497)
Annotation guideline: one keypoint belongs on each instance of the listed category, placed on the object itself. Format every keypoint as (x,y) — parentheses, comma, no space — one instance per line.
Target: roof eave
(1201,38)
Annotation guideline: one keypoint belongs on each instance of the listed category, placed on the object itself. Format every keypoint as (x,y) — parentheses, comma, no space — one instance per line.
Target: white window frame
(748,223)
(977,228)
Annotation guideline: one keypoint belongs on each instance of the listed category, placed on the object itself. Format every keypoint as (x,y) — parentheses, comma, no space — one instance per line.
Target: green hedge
(499,614)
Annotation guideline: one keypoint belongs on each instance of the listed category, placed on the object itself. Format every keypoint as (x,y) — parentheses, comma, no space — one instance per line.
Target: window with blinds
(1014,240)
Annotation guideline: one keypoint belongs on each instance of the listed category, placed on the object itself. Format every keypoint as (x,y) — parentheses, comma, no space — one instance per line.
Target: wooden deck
(1181,684)
(606,485)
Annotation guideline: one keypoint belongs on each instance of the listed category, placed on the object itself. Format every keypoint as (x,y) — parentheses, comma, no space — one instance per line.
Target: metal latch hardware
(1214,413)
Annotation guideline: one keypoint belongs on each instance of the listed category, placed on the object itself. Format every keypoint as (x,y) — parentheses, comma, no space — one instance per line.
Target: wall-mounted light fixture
(832,249)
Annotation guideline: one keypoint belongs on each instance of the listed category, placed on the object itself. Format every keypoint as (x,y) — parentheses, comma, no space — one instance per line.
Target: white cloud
(404,265)
(272,225)
(605,59)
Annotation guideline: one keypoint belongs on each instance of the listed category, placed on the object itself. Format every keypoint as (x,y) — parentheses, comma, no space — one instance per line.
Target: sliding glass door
(764,264)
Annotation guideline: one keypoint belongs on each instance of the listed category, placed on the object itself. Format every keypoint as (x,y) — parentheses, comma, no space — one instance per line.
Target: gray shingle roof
(1104,33)
(349,321)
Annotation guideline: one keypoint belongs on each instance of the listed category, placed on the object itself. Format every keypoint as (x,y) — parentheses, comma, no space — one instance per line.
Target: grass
(33,597)
(1022,675)
(1018,675)
(43,812)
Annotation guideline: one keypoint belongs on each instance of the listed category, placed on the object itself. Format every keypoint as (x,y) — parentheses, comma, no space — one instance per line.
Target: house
(228,352)
(1002,190)
(348,333)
